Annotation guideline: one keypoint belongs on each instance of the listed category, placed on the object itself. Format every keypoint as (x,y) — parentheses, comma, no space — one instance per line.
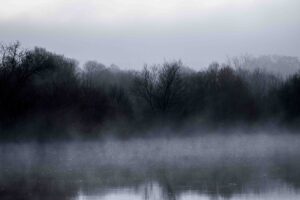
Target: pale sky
(130,33)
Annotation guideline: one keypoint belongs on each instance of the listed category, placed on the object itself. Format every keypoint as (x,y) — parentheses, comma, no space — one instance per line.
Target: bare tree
(144,85)
(169,85)
(160,86)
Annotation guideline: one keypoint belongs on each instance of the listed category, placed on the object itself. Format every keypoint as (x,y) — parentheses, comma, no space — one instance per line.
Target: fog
(131,33)
(149,100)
(144,153)
(259,166)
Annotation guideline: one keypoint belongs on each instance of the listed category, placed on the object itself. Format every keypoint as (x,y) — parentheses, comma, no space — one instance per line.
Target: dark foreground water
(196,168)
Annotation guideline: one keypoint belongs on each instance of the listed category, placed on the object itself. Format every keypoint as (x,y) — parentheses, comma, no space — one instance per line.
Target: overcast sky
(130,33)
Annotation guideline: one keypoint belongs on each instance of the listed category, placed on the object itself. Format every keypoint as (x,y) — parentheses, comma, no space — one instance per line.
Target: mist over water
(166,132)
(149,100)
(212,166)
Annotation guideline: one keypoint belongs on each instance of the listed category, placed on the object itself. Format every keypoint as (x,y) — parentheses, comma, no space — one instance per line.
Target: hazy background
(133,32)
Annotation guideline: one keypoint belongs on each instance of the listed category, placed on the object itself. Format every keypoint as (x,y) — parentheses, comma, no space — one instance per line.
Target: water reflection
(198,169)
(123,184)
(155,192)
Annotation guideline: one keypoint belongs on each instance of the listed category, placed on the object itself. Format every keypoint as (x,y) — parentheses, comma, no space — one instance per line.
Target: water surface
(233,167)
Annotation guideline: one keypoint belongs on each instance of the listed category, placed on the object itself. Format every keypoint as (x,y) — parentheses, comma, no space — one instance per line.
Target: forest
(44,95)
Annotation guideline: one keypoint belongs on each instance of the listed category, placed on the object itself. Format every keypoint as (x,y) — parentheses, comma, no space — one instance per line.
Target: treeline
(43,94)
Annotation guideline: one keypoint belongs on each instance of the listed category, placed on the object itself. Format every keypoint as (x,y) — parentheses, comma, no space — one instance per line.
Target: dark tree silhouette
(289,95)
(161,88)
(44,95)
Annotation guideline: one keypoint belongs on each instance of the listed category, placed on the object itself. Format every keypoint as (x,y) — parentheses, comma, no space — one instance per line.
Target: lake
(230,166)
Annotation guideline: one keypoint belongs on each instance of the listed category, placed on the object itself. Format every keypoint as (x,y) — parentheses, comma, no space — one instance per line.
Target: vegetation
(48,95)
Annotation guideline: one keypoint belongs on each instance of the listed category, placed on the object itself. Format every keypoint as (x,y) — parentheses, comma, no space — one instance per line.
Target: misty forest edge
(45,95)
